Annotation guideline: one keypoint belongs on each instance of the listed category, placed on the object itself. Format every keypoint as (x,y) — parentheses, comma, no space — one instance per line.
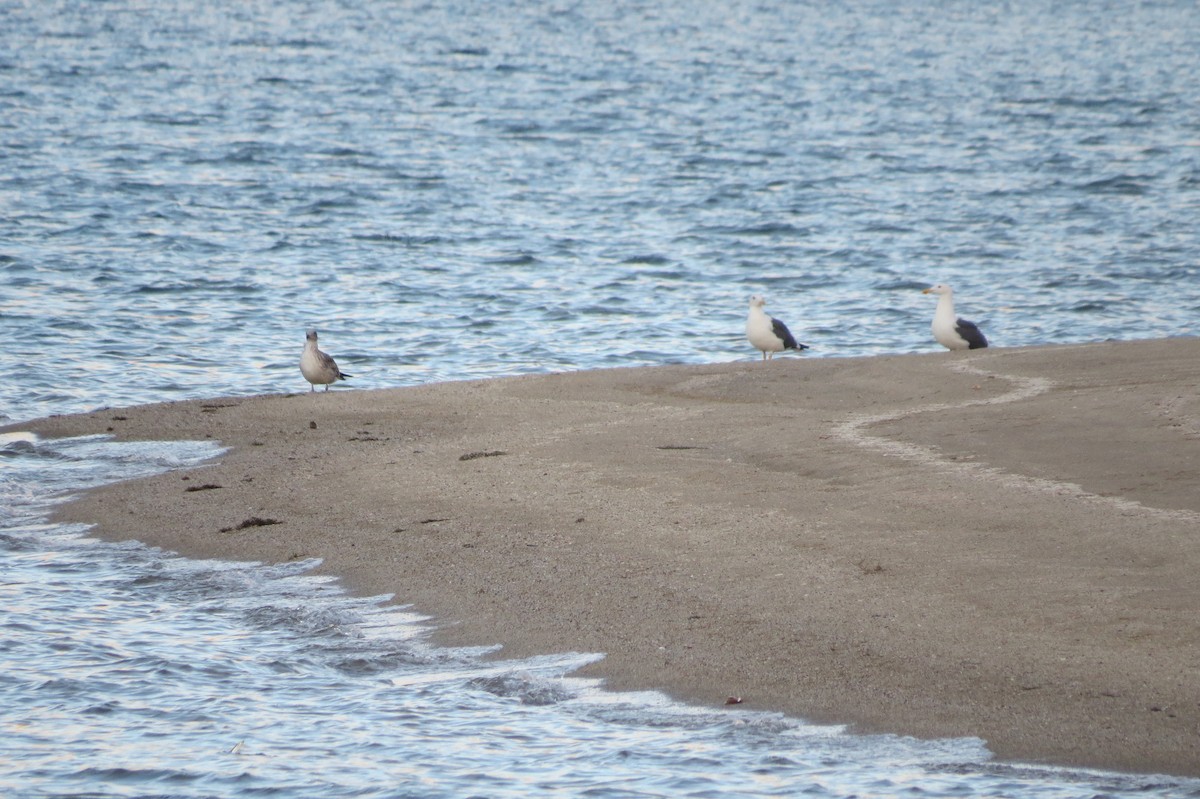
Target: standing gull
(767,334)
(951,331)
(316,366)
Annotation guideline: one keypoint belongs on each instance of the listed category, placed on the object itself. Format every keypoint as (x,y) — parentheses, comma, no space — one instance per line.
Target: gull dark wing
(971,332)
(785,335)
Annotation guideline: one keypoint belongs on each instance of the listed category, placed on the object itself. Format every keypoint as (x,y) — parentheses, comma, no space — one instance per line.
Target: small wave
(1086,102)
(1117,184)
(765,229)
(185,120)
(321,207)
(399,239)
(1089,307)
(244,153)
(525,259)
(882,227)
(25,448)
(901,285)
(305,43)
(134,776)
(528,688)
(199,285)
(344,152)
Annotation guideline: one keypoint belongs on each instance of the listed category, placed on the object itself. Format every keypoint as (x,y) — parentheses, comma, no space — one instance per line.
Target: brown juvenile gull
(768,334)
(952,332)
(316,366)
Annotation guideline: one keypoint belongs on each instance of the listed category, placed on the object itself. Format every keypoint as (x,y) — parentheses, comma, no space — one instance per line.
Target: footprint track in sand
(855,430)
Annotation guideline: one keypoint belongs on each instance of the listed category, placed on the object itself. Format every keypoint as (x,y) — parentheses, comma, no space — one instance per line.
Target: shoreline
(999,544)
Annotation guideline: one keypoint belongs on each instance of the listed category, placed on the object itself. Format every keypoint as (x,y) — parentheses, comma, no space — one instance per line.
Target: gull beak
(926,291)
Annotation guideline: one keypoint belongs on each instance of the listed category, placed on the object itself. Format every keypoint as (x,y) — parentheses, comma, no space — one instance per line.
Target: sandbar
(1001,543)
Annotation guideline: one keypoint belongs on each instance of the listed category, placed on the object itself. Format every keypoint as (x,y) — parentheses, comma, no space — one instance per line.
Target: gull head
(311,336)
(940,288)
(758,301)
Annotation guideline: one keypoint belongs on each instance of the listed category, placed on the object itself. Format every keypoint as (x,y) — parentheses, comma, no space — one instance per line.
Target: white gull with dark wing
(766,333)
(951,331)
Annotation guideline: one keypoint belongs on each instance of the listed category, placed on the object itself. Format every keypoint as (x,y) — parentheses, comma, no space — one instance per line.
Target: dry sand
(998,543)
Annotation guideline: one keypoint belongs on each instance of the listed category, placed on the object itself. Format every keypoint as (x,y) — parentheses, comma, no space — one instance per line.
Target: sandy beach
(1001,543)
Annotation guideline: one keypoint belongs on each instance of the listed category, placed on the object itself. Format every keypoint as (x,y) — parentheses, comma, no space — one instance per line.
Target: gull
(316,366)
(768,334)
(951,331)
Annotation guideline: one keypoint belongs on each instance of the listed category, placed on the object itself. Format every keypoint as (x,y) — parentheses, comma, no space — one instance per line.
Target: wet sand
(1001,543)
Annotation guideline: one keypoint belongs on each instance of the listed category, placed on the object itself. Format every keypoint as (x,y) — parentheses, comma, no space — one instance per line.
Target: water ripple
(379,195)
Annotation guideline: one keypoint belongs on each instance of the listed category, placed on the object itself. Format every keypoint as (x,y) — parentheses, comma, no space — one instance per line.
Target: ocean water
(461,190)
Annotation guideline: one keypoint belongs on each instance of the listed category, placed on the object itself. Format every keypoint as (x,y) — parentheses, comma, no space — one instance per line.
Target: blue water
(468,189)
